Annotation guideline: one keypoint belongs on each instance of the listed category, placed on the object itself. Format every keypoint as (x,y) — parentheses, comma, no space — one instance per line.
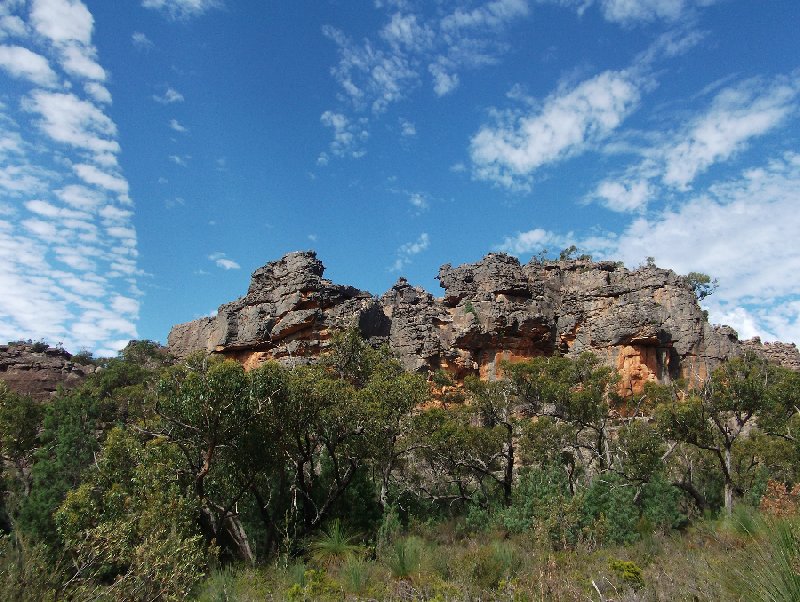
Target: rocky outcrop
(38,370)
(785,354)
(644,322)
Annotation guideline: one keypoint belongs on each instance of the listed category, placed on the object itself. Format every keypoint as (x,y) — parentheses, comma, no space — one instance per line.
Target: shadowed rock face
(29,369)
(645,322)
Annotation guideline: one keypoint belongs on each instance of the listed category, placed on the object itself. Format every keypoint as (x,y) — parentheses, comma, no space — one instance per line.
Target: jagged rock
(645,322)
(38,370)
(288,313)
(785,354)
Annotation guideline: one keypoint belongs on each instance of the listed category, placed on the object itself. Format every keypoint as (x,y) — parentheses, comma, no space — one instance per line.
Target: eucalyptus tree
(721,414)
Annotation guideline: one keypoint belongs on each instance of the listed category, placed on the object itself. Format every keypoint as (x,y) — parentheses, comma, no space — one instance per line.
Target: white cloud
(737,114)
(80,61)
(70,120)
(141,41)
(491,15)
(348,137)
(67,250)
(632,12)
(444,81)
(405,31)
(624,195)
(98,91)
(407,129)
(182,160)
(408,250)
(12,25)
(532,241)
(182,9)
(22,63)
(80,197)
(517,144)
(222,261)
(418,200)
(97,177)
(175,125)
(171,95)
(62,20)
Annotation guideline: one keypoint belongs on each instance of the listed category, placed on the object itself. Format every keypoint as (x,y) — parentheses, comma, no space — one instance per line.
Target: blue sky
(154,152)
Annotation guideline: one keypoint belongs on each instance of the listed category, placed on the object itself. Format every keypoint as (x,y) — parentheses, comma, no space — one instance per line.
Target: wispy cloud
(413,48)
(736,115)
(348,136)
(407,129)
(519,142)
(633,12)
(141,41)
(175,125)
(170,95)
(182,9)
(181,160)
(533,241)
(409,250)
(222,261)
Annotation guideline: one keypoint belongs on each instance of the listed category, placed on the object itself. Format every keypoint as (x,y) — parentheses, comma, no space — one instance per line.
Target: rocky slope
(644,322)
(37,370)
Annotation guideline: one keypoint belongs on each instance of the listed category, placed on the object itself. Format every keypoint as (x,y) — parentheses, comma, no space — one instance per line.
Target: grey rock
(644,322)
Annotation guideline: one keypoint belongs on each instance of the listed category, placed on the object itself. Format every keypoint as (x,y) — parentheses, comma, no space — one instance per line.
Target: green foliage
(640,447)
(568,253)
(660,504)
(609,509)
(404,557)
(68,444)
(470,309)
(27,572)
(130,527)
(318,587)
(702,284)
(333,545)
(542,501)
(628,571)
(767,571)
(20,421)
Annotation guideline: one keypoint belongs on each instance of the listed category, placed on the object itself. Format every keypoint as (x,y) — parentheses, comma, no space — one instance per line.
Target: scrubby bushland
(349,479)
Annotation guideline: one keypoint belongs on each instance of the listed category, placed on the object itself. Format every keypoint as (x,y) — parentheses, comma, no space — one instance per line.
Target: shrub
(629,572)
(610,513)
(333,545)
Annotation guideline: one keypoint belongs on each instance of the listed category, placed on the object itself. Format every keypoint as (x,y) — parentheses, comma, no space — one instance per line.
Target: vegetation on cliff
(354,479)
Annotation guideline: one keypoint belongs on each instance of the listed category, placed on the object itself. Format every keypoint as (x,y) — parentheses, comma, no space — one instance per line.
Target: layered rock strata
(38,370)
(645,322)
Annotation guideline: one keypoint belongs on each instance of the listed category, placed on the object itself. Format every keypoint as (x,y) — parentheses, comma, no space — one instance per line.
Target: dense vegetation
(352,479)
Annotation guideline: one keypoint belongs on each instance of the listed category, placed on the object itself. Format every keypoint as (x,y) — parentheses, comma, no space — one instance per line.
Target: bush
(629,572)
(610,513)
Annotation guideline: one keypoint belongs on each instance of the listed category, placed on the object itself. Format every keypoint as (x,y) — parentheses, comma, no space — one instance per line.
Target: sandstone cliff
(644,322)
(37,370)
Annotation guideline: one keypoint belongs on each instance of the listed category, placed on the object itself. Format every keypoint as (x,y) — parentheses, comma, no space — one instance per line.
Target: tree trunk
(728,482)
(508,476)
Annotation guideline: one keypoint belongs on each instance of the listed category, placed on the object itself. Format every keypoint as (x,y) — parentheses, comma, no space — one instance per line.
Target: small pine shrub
(629,572)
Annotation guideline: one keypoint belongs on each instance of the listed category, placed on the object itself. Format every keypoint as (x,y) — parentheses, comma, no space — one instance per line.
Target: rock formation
(37,370)
(645,322)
